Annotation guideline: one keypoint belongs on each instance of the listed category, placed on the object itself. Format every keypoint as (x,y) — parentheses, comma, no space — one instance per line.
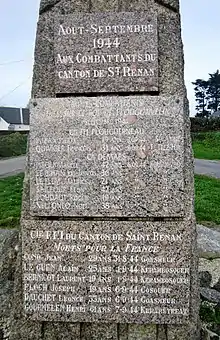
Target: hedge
(13,144)
(205,124)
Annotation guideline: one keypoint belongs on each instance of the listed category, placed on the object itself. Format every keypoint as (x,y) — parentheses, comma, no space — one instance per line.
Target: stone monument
(108,229)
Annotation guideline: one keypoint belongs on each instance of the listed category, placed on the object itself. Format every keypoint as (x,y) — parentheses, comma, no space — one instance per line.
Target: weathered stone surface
(188,331)
(171,4)
(208,242)
(104,6)
(161,332)
(209,294)
(141,5)
(170,52)
(170,82)
(205,279)
(146,332)
(212,266)
(115,52)
(44,65)
(193,326)
(95,331)
(25,330)
(8,253)
(137,255)
(174,332)
(137,139)
(60,331)
(44,70)
(47,4)
(217,286)
(136,5)
(64,6)
(123,331)
(19,327)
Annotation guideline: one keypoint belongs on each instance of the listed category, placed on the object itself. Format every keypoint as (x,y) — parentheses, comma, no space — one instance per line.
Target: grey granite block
(161,332)
(107,156)
(210,295)
(19,327)
(44,70)
(172,4)
(106,52)
(136,5)
(213,267)
(183,332)
(145,332)
(105,6)
(217,286)
(208,242)
(45,4)
(123,329)
(8,252)
(170,82)
(44,66)
(170,53)
(95,331)
(136,272)
(61,331)
(170,46)
(25,330)
(205,279)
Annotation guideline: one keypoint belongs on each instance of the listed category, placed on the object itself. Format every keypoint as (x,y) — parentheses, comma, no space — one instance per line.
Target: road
(12,166)
(209,168)
(16,165)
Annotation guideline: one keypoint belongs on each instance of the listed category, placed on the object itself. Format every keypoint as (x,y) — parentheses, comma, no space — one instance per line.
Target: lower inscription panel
(132,272)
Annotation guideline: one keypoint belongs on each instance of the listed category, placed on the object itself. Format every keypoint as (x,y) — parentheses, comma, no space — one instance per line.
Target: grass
(10,201)
(207,202)
(206,145)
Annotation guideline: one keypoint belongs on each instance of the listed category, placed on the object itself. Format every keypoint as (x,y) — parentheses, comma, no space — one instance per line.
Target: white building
(14,119)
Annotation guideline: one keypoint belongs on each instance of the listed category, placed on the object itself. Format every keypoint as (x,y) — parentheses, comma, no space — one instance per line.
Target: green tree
(213,92)
(201,93)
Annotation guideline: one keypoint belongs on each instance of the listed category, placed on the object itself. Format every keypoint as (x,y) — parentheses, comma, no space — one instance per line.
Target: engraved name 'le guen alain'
(101,42)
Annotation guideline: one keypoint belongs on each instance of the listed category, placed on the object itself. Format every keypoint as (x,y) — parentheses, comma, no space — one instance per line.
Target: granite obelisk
(108,228)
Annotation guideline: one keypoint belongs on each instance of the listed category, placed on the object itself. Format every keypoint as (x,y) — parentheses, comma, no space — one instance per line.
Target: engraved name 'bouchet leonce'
(112,49)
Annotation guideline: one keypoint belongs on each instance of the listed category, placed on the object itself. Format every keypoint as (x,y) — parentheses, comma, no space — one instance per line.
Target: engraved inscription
(106,271)
(104,159)
(106,53)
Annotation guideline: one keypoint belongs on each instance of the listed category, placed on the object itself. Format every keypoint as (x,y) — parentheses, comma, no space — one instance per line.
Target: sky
(18,20)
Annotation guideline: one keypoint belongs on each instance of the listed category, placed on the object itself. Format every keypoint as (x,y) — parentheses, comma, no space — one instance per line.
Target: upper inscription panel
(106,52)
(102,156)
